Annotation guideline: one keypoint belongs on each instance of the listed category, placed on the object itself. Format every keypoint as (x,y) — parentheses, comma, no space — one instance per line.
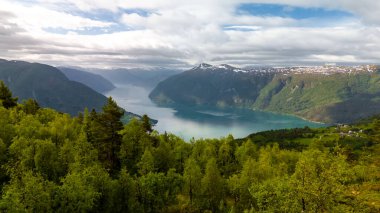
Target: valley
(202,121)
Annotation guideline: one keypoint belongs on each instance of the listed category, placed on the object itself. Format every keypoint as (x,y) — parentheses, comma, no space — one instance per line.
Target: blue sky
(178,33)
(319,16)
(287,11)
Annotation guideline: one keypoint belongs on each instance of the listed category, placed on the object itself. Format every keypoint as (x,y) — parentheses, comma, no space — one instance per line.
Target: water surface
(202,122)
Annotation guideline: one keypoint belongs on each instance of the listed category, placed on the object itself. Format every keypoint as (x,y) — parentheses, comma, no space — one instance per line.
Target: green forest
(54,162)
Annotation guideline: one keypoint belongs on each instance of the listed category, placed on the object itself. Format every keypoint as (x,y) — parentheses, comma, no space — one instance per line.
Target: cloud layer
(177,33)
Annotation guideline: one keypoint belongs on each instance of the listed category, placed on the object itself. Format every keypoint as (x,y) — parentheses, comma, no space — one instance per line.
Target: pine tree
(146,123)
(6,98)
(104,134)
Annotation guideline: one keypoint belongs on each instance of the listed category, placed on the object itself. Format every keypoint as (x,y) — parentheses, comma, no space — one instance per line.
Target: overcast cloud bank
(177,33)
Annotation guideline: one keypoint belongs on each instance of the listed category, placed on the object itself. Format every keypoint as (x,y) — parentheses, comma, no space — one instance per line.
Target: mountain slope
(49,86)
(332,97)
(203,85)
(94,81)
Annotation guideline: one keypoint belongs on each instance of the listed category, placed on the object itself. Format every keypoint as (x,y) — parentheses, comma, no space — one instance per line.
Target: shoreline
(294,115)
(242,107)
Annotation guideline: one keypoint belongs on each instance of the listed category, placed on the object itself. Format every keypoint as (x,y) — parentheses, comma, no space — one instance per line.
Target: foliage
(52,162)
(6,98)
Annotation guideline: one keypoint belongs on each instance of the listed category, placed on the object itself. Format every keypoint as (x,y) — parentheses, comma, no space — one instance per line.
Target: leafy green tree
(146,165)
(3,160)
(7,128)
(274,195)
(181,152)
(31,106)
(135,141)
(152,189)
(76,194)
(34,154)
(212,185)
(247,150)
(226,158)
(239,185)
(192,180)
(164,155)
(6,98)
(174,183)
(28,193)
(125,196)
(319,181)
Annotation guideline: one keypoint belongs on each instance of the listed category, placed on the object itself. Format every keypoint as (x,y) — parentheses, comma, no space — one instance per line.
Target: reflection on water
(202,122)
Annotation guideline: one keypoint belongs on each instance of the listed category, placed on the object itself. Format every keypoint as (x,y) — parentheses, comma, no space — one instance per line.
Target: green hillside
(328,98)
(333,98)
(49,86)
(52,162)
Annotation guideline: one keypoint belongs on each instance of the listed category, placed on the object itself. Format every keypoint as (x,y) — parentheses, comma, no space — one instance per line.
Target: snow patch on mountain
(224,67)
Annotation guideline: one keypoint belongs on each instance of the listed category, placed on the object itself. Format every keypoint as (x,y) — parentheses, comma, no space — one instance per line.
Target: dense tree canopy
(51,162)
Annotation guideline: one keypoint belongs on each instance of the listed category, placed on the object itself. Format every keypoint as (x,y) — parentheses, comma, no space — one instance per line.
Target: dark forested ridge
(52,162)
(340,97)
(49,86)
(94,81)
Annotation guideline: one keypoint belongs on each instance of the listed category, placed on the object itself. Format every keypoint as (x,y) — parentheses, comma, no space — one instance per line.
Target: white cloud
(36,18)
(366,9)
(179,33)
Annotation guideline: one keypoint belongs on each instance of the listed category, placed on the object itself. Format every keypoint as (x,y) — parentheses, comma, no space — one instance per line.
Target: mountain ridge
(94,81)
(326,94)
(51,88)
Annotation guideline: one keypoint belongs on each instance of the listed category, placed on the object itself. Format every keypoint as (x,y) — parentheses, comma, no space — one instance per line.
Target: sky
(183,33)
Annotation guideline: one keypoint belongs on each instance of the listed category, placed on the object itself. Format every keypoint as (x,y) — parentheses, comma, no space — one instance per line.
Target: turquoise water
(202,122)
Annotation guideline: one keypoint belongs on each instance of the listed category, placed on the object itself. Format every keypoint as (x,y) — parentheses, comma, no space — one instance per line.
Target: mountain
(94,81)
(208,85)
(51,88)
(147,78)
(324,94)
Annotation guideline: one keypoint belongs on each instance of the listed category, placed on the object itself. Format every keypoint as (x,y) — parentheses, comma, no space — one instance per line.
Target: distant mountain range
(325,94)
(51,88)
(147,78)
(94,81)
